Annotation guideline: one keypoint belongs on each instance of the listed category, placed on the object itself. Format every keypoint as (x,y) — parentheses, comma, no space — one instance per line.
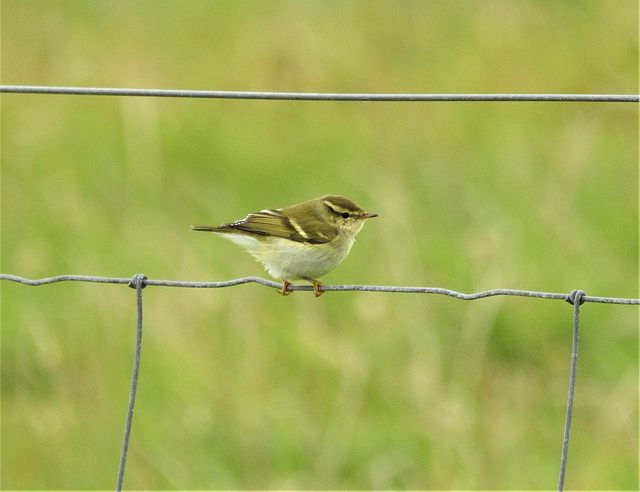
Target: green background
(243,389)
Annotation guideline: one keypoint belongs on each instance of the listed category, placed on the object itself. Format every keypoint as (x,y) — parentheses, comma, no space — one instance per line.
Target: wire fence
(576,298)
(319,96)
(139,281)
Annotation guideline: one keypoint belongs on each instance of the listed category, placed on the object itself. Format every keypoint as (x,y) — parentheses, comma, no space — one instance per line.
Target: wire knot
(579,294)
(138,280)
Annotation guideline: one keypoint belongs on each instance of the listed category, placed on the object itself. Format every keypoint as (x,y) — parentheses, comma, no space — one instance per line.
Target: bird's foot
(316,286)
(284,290)
(316,291)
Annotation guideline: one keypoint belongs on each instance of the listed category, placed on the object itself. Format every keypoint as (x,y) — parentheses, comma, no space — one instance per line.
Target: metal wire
(139,281)
(576,298)
(325,288)
(317,96)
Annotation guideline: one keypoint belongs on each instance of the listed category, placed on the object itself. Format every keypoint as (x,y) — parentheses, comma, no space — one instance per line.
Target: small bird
(302,241)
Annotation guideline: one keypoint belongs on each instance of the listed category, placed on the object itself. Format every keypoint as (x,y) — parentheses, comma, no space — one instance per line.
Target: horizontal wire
(327,288)
(316,96)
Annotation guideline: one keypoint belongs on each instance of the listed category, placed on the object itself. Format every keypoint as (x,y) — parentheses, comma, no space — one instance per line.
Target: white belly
(290,260)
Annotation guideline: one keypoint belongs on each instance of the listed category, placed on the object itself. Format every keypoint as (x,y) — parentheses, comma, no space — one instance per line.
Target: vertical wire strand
(138,283)
(576,298)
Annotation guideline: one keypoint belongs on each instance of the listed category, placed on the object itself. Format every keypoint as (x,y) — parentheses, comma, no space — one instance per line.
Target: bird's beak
(367,215)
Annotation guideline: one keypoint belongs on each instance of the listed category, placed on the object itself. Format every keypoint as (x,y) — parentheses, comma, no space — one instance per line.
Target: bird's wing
(275,223)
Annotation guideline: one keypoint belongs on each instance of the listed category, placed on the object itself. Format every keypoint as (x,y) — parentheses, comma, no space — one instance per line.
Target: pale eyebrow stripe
(329,204)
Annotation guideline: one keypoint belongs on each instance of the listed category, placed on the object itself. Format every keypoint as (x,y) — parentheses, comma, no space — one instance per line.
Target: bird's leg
(316,291)
(284,290)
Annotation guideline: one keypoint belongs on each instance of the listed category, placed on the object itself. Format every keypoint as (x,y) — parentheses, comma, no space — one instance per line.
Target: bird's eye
(345,215)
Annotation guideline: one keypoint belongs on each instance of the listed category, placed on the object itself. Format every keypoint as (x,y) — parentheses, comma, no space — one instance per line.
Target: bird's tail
(208,228)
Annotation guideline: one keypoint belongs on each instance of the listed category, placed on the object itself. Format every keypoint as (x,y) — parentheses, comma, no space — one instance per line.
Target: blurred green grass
(242,389)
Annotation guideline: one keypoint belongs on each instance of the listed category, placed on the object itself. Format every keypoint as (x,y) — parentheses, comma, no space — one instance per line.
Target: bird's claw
(284,290)
(316,288)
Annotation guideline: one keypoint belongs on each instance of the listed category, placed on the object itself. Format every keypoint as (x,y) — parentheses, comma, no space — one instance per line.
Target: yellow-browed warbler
(303,241)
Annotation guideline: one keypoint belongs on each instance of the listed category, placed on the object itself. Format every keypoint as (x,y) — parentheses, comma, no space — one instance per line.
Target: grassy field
(243,389)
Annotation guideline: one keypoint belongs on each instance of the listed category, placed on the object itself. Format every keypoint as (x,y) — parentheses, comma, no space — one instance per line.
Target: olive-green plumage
(301,241)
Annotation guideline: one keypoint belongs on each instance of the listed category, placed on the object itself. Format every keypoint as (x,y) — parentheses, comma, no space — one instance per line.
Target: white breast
(289,260)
